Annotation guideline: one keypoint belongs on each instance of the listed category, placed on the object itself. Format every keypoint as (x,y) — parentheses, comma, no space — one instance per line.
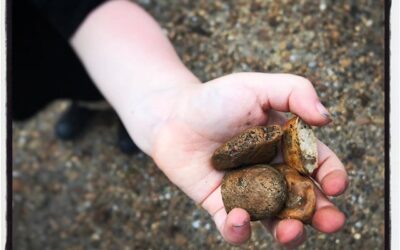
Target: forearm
(128,58)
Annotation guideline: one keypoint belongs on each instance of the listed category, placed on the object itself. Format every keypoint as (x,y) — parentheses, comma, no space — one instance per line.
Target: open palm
(207,115)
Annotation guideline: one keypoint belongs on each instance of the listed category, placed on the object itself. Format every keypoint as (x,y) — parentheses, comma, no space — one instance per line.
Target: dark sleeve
(65,15)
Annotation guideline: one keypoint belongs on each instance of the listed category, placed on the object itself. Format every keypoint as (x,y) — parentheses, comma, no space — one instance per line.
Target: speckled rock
(253,146)
(261,190)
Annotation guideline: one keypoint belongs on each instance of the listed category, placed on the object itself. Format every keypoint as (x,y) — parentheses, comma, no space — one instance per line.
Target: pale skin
(180,122)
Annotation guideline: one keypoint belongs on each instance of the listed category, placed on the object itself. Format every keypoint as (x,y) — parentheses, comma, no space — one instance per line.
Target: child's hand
(204,116)
(181,124)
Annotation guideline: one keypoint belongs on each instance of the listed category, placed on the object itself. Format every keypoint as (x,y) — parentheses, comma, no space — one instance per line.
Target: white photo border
(3,127)
(394,202)
(394,126)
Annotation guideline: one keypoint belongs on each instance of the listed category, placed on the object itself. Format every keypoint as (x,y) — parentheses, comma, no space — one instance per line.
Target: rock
(252,146)
(260,190)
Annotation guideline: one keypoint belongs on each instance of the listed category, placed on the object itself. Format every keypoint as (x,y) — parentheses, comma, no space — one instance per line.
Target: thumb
(234,227)
(285,93)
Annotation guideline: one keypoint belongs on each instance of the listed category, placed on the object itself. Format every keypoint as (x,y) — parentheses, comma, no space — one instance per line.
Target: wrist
(146,114)
(135,91)
(134,65)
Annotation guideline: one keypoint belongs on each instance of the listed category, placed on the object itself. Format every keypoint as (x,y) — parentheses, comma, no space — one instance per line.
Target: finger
(289,232)
(276,117)
(234,227)
(327,218)
(286,93)
(330,174)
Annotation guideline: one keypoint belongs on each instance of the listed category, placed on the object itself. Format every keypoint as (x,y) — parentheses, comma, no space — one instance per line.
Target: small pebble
(293,58)
(95,237)
(322,5)
(312,64)
(196,224)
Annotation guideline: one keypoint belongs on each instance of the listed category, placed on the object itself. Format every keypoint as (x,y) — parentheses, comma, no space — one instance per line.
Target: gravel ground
(85,194)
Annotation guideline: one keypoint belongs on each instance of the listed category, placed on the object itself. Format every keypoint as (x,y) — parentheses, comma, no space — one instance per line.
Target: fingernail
(323,111)
(298,237)
(296,241)
(240,226)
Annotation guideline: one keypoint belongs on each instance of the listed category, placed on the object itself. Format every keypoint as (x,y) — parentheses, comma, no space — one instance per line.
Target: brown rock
(260,190)
(301,199)
(253,146)
(344,63)
(299,146)
(180,239)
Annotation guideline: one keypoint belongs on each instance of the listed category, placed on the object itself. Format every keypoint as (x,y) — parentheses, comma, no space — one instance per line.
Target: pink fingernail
(296,241)
(298,237)
(323,111)
(241,224)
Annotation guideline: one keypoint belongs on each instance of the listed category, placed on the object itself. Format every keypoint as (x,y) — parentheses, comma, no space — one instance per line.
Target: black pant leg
(44,66)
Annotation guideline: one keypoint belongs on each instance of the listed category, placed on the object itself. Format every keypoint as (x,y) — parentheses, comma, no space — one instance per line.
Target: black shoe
(125,143)
(73,122)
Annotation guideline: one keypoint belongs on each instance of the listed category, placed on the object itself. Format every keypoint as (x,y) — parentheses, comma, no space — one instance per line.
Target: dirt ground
(85,194)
